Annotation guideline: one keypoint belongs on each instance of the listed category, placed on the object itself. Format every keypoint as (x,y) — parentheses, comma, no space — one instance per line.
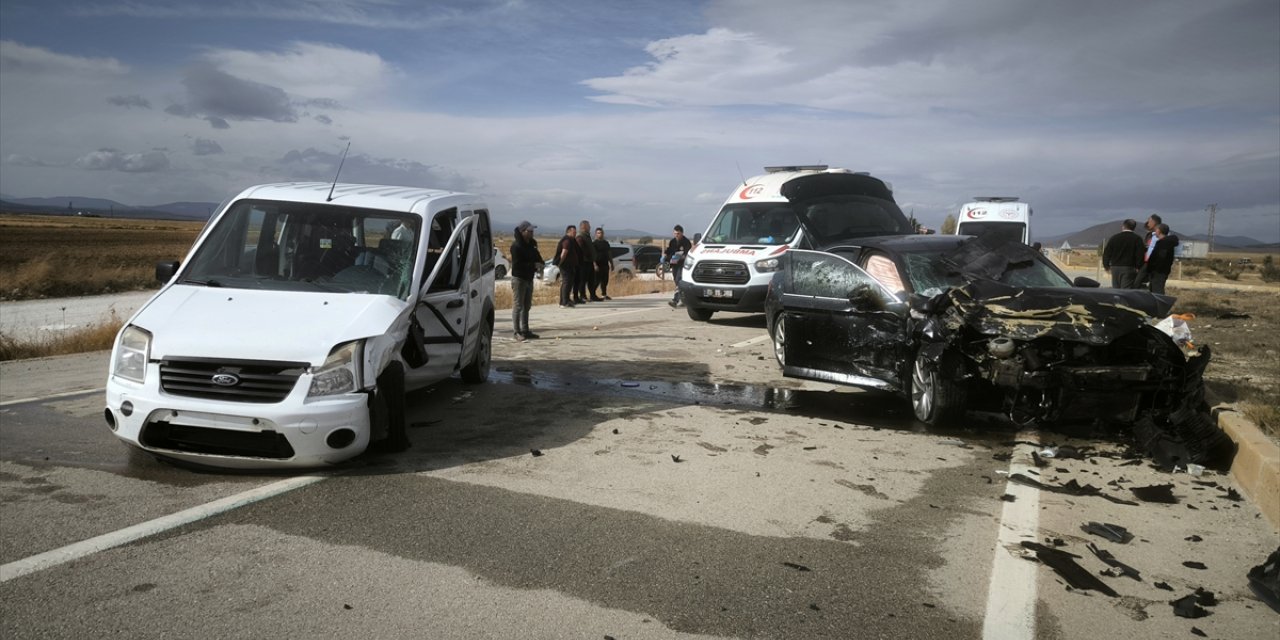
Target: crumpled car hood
(244,324)
(1093,316)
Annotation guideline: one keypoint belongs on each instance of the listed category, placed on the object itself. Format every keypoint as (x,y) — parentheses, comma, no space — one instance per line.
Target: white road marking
(749,342)
(75,551)
(1011,596)
(53,396)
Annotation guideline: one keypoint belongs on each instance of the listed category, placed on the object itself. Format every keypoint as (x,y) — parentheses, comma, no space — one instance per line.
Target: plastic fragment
(1112,532)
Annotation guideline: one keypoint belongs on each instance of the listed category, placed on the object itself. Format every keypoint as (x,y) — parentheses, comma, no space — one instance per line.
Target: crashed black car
(957,323)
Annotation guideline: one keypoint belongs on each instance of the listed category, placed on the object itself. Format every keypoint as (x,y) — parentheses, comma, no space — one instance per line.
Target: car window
(618,252)
(824,275)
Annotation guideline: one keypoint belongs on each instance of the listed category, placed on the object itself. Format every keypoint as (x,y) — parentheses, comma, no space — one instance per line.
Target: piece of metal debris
(1106,557)
(1264,580)
(1112,532)
(676,458)
(536,452)
(1194,564)
(1186,607)
(1064,564)
(1162,493)
(1071,487)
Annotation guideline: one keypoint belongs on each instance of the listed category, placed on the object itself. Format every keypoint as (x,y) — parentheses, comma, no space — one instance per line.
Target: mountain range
(1095,235)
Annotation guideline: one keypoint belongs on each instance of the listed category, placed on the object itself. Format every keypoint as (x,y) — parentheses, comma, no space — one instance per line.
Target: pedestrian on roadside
(677,248)
(1161,262)
(604,265)
(585,290)
(1122,255)
(1149,245)
(568,258)
(525,261)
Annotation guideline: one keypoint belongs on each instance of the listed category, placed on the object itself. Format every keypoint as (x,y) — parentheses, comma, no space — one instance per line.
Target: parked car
(955,323)
(501,266)
(646,257)
(298,321)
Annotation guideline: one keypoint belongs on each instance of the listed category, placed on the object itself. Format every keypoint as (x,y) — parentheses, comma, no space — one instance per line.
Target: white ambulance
(807,207)
(999,214)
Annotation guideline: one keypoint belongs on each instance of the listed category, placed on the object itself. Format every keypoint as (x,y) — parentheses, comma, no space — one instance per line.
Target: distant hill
(1095,235)
(504,226)
(72,205)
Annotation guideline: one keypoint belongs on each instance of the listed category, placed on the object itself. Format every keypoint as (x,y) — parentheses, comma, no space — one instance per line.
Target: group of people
(1137,262)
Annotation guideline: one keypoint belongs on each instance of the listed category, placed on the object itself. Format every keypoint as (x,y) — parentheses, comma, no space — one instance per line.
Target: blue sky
(639,114)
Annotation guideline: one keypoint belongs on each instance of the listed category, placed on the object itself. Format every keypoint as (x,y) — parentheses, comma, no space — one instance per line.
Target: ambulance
(803,206)
(999,214)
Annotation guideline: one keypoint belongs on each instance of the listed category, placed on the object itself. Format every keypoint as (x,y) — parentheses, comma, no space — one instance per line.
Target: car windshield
(294,246)
(929,274)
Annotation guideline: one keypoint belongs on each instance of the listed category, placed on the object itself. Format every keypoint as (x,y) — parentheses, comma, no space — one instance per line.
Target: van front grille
(717,272)
(232,380)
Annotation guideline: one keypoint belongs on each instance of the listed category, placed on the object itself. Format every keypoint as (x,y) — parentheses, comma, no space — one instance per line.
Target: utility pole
(1213,215)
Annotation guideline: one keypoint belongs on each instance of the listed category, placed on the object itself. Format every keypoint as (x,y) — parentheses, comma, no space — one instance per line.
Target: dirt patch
(1243,332)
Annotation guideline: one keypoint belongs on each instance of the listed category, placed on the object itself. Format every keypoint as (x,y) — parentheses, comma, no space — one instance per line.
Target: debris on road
(1162,493)
(535,452)
(1112,532)
(1187,607)
(1071,488)
(1264,580)
(797,567)
(1064,563)
(1111,561)
(1194,564)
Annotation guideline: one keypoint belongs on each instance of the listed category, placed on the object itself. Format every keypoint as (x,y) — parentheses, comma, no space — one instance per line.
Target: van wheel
(387,409)
(696,314)
(937,392)
(477,370)
(499,272)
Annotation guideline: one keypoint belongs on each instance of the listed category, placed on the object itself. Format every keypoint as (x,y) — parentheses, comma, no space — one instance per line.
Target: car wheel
(780,340)
(477,370)
(697,314)
(624,274)
(499,272)
(937,397)
(387,409)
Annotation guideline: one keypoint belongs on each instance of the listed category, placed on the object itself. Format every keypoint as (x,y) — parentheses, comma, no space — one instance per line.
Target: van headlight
(132,352)
(768,265)
(340,372)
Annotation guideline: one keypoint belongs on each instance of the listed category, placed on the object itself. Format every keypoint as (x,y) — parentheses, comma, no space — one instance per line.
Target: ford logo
(225,379)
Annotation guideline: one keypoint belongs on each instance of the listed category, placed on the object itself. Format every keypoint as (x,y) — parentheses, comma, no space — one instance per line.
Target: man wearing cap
(525,261)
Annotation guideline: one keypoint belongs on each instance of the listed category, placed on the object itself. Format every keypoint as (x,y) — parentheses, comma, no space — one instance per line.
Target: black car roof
(914,243)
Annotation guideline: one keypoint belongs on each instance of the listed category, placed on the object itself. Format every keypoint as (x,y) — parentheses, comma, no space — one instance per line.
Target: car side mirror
(1086,283)
(165,270)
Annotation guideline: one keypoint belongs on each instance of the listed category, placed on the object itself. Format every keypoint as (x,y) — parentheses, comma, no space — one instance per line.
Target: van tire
(697,314)
(477,370)
(387,409)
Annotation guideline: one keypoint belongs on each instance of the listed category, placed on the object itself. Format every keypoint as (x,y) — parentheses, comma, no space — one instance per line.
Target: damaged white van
(789,207)
(301,316)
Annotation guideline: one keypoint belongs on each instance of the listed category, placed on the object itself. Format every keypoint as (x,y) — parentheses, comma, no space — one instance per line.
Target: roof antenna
(744,178)
(335,176)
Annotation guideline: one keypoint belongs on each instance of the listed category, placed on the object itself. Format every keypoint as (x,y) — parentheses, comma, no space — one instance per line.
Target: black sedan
(957,323)
(647,257)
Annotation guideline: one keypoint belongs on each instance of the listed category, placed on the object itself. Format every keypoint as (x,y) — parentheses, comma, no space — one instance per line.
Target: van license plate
(717,293)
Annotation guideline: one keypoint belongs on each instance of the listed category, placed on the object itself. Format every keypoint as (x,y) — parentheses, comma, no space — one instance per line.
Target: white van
(1000,214)
(805,207)
(299,319)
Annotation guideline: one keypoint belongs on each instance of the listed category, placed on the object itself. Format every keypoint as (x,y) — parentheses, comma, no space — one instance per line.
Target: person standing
(604,265)
(568,257)
(1161,262)
(677,248)
(586,283)
(1149,245)
(525,261)
(1123,254)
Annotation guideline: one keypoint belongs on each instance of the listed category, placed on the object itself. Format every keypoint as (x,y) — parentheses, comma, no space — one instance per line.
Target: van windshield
(294,246)
(1009,230)
(770,223)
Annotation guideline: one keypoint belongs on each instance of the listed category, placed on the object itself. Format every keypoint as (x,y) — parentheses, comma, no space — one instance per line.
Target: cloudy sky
(643,113)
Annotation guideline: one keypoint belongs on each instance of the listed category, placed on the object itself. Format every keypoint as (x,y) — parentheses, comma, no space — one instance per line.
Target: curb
(1256,466)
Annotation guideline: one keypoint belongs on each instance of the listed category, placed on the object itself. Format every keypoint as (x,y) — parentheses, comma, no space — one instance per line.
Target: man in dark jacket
(586,283)
(525,261)
(1160,264)
(568,258)
(1123,254)
(677,249)
(604,264)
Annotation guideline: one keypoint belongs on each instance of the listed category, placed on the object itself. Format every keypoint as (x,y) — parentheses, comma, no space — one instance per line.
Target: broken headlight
(132,352)
(340,372)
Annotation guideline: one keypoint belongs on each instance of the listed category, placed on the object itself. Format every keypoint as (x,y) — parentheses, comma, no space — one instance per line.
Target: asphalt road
(684,489)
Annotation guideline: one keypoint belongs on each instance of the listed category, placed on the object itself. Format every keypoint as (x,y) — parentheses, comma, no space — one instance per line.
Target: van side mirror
(165,270)
(1085,283)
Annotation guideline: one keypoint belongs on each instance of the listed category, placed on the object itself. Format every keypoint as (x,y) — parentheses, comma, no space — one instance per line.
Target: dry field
(57,256)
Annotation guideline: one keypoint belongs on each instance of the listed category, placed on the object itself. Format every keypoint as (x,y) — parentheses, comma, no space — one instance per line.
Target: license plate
(717,293)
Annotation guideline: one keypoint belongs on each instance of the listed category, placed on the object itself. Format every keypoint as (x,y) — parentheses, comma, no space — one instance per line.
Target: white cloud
(310,70)
(375,14)
(114,160)
(18,58)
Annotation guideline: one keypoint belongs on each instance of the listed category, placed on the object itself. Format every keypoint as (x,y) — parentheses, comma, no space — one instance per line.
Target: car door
(479,279)
(841,324)
(443,304)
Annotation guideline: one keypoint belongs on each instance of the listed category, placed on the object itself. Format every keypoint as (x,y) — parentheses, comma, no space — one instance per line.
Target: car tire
(499,272)
(697,314)
(779,339)
(937,397)
(477,370)
(387,409)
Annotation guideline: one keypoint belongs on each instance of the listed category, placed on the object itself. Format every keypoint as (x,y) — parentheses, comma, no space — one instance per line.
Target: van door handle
(453,304)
